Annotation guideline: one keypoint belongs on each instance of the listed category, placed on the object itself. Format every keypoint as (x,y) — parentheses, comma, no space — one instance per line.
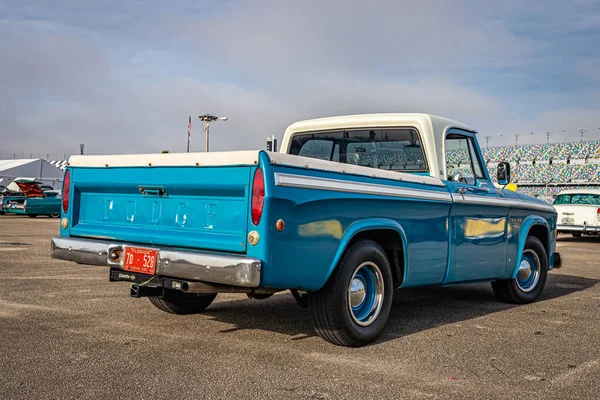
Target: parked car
(6,192)
(578,212)
(33,201)
(352,208)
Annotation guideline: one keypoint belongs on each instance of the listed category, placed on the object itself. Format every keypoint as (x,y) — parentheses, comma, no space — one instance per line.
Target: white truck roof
(580,191)
(431,127)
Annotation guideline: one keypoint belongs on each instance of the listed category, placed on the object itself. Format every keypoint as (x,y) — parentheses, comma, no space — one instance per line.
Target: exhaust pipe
(141,287)
(211,288)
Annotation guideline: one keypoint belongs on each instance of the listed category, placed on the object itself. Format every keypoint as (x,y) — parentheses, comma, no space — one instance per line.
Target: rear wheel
(175,302)
(577,234)
(531,277)
(32,215)
(54,215)
(354,305)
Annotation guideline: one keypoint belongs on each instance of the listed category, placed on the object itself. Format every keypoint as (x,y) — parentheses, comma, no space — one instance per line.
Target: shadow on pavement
(563,237)
(413,310)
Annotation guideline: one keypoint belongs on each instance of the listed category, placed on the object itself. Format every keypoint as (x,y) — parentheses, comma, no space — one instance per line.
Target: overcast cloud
(124,77)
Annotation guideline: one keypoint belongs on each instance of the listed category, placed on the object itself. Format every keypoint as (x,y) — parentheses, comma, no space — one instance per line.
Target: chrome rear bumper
(181,264)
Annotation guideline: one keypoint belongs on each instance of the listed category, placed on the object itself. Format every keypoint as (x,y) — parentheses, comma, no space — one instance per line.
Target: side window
(462,162)
(320,149)
(477,169)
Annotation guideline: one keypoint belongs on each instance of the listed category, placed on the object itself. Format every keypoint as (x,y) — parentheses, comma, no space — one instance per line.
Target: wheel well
(540,232)
(391,242)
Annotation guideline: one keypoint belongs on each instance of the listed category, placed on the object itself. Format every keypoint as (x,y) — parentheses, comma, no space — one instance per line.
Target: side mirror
(503,173)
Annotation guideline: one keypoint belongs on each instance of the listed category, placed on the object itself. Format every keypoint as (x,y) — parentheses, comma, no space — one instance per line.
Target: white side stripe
(337,185)
(501,202)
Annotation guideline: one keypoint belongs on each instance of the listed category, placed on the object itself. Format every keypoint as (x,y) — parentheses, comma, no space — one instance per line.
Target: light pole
(207,118)
(548,133)
(517,135)
(582,132)
(487,141)
(501,141)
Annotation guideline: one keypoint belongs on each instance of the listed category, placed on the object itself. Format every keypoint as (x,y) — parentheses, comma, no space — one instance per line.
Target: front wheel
(531,276)
(54,215)
(577,235)
(354,305)
(175,302)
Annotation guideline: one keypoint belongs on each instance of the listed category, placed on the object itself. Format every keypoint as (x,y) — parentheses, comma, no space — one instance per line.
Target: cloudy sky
(123,76)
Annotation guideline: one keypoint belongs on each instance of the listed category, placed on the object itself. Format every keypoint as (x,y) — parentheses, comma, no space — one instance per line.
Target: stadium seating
(556,151)
(544,170)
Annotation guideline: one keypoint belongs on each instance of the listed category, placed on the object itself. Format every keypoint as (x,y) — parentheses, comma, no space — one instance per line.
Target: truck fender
(526,226)
(369,224)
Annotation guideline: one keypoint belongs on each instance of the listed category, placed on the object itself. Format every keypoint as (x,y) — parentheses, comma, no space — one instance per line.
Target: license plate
(567,221)
(140,260)
(13,206)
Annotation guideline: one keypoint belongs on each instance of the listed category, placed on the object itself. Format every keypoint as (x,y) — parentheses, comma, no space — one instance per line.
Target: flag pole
(189,132)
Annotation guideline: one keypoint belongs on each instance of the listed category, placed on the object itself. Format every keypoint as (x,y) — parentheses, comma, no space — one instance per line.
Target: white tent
(34,168)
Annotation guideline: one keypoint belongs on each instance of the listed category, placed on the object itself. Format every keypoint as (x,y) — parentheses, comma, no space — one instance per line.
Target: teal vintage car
(349,210)
(33,200)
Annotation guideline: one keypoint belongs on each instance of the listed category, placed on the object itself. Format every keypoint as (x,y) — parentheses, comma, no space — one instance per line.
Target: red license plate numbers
(140,260)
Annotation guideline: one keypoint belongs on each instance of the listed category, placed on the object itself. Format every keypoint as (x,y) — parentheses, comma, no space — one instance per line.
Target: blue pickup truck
(349,210)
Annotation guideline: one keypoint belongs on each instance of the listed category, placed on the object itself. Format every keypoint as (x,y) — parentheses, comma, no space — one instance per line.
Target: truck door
(478,218)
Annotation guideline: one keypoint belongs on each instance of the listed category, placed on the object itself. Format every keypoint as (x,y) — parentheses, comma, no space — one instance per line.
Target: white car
(578,212)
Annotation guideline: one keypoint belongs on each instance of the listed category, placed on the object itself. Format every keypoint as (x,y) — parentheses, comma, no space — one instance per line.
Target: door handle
(153,191)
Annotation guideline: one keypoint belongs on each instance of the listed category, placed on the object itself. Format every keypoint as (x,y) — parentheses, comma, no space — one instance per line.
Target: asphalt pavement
(68,333)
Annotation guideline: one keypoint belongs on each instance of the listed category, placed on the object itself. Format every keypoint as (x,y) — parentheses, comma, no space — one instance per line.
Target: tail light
(66,191)
(258,196)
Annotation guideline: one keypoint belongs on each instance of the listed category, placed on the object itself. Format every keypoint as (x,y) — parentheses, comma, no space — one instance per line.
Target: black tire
(330,306)
(175,302)
(510,291)
(54,215)
(576,235)
(32,215)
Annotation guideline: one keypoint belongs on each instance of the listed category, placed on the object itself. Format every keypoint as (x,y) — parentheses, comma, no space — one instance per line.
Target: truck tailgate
(577,215)
(195,207)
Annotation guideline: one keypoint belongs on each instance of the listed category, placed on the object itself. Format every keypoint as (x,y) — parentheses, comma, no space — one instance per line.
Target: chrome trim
(338,185)
(182,264)
(501,202)
(577,228)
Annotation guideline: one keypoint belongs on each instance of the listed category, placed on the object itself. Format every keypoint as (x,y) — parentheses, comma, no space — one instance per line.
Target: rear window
(590,199)
(398,149)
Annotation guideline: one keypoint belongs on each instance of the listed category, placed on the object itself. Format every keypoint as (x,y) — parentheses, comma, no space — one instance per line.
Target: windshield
(580,198)
(398,149)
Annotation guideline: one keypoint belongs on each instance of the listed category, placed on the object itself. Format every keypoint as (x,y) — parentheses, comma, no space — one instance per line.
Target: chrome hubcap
(357,292)
(524,270)
(365,293)
(529,271)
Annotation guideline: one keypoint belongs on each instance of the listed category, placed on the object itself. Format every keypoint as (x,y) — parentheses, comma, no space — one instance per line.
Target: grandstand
(545,170)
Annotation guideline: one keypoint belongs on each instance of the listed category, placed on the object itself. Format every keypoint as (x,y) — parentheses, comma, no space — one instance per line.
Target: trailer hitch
(141,290)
